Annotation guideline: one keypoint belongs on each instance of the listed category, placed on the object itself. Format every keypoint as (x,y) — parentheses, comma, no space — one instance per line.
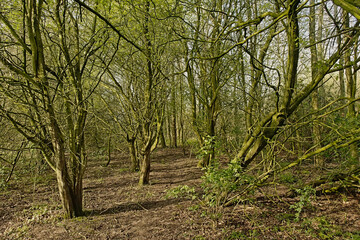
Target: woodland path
(117,208)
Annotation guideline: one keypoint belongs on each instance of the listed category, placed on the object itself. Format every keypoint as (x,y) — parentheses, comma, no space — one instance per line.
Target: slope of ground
(116,208)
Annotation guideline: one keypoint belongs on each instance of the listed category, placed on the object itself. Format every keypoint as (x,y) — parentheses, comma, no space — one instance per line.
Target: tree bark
(173,120)
(162,138)
(314,66)
(351,6)
(145,168)
(133,156)
(269,126)
(71,194)
(350,90)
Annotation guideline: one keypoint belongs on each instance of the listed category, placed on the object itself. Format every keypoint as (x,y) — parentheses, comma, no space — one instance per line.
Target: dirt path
(117,208)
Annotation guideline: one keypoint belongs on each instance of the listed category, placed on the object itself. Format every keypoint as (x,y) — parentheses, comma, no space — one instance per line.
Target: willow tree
(45,81)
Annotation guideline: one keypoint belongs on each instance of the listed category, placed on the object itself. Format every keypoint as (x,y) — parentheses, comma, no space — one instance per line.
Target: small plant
(208,147)
(236,235)
(287,178)
(194,207)
(322,228)
(218,183)
(121,170)
(182,191)
(38,214)
(17,232)
(284,217)
(306,195)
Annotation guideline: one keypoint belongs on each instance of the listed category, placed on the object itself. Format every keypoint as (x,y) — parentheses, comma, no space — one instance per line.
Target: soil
(117,208)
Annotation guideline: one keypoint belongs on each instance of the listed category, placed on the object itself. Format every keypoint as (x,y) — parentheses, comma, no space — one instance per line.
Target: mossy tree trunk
(133,154)
(145,168)
(71,193)
(315,58)
(269,125)
(53,105)
(350,90)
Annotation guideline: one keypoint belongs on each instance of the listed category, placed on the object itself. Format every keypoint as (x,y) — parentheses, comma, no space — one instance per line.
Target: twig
(18,155)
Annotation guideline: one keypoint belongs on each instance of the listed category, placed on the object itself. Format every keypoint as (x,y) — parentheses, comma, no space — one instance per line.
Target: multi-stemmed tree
(139,79)
(48,73)
(244,60)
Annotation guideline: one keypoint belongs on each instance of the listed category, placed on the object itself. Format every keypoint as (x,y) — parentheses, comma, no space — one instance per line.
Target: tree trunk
(109,151)
(174,131)
(338,11)
(210,148)
(71,198)
(261,135)
(162,137)
(145,168)
(269,126)
(181,117)
(71,195)
(147,131)
(319,161)
(133,158)
(173,120)
(168,127)
(351,91)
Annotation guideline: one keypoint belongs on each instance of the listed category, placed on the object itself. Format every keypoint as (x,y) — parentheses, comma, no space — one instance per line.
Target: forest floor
(116,208)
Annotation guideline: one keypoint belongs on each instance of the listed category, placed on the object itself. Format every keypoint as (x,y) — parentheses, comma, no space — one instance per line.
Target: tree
(315,58)
(46,82)
(350,87)
(269,125)
(141,78)
(206,69)
(351,6)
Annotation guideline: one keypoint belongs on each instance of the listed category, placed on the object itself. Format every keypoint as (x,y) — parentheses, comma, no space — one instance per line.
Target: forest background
(254,89)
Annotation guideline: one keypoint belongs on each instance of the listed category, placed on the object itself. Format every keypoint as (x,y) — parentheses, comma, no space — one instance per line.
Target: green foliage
(306,195)
(325,229)
(236,235)
(344,125)
(182,191)
(287,178)
(209,145)
(194,207)
(38,213)
(284,217)
(18,232)
(193,144)
(322,228)
(218,182)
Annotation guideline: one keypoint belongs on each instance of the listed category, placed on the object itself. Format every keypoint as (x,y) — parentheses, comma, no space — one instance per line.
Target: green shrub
(287,178)
(218,183)
(306,195)
(182,191)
